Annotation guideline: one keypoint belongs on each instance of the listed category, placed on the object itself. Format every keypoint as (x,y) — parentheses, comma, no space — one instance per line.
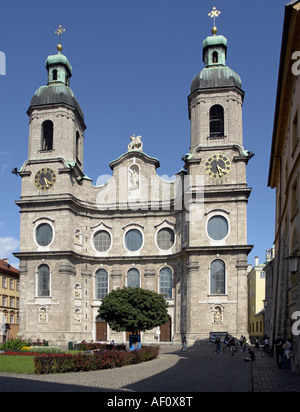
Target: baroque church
(185,239)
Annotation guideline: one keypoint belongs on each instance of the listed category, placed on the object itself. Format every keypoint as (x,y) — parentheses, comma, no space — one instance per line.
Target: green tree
(134,309)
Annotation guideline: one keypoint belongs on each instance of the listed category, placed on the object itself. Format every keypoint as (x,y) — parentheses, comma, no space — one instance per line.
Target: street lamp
(293,261)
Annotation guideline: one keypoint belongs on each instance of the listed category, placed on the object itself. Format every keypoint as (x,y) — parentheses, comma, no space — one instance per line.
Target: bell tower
(217,242)
(56,120)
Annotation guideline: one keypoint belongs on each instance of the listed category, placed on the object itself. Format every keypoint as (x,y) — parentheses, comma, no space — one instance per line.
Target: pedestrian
(184,345)
(286,358)
(278,343)
(257,343)
(266,342)
(241,340)
(244,344)
(232,346)
(219,347)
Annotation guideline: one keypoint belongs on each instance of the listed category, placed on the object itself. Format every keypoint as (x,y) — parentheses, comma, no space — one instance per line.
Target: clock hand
(47,183)
(220,170)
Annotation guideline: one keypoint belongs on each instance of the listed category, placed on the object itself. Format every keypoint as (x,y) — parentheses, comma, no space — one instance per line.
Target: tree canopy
(134,309)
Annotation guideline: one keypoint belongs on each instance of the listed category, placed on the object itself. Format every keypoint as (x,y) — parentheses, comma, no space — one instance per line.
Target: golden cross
(59,31)
(213,14)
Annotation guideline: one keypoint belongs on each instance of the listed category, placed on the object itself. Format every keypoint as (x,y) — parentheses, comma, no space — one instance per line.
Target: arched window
(43,288)
(216,121)
(54,74)
(77,145)
(47,135)
(217,277)
(215,57)
(295,241)
(166,282)
(133,278)
(101,286)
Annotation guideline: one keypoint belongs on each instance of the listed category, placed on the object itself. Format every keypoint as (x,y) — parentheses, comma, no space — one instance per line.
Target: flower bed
(111,358)
(17,353)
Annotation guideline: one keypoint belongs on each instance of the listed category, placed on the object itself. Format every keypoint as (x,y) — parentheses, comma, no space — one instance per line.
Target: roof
(58,59)
(7,269)
(212,77)
(137,153)
(288,34)
(56,94)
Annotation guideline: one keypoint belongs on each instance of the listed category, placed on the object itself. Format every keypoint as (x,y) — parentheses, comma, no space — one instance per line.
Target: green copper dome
(58,59)
(215,73)
(58,89)
(216,77)
(56,94)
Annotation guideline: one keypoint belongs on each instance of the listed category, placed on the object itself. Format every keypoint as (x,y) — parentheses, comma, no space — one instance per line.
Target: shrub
(104,359)
(84,346)
(16,344)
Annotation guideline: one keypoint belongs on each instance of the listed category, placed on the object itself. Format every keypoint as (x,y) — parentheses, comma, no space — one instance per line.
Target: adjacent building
(284,176)
(256,297)
(185,239)
(9,301)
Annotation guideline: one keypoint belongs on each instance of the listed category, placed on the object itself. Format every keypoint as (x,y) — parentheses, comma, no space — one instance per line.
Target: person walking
(286,358)
(184,345)
(244,344)
(241,340)
(278,344)
(232,346)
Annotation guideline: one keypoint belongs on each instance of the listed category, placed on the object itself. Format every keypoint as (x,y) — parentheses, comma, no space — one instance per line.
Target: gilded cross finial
(59,32)
(213,14)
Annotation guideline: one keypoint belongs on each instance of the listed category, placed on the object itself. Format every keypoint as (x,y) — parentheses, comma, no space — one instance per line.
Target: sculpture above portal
(136,143)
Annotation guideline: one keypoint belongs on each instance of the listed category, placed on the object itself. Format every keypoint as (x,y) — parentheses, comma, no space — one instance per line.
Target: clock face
(45,178)
(217,166)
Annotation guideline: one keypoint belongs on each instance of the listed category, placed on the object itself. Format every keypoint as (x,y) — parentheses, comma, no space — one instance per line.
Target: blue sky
(133,63)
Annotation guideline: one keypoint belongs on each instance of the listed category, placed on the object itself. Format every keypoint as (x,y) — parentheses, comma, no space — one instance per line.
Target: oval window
(133,240)
(165,238)
(44,234)
(217,228)
(102,241)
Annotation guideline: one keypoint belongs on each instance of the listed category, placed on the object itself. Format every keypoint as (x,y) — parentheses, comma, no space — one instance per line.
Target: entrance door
(101,330)
(165,332)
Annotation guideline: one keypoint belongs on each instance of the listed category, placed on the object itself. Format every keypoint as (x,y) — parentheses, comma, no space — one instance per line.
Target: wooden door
(165,332)
(101,331)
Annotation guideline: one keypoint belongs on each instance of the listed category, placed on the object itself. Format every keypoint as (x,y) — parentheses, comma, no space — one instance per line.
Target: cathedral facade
(185,239)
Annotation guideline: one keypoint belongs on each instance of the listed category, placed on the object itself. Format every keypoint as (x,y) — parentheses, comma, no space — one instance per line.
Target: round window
(217,228)
(133,240)
(102,241)
(165,238)
(44,234)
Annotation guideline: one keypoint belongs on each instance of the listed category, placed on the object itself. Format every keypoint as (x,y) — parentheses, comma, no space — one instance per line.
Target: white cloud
(8,245)
(3,157)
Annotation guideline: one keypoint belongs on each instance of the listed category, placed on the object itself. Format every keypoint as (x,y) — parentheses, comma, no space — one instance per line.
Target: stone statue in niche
(136,143)
(133,177)
(78,237)
(77,292)
(217,315)
(77,316)
(42,315)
